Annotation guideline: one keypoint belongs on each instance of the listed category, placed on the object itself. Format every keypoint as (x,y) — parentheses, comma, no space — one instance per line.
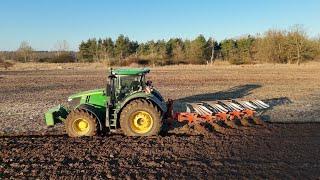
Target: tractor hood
(86,93)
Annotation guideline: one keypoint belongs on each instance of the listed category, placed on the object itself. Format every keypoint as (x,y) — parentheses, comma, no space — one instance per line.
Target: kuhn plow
(228,113)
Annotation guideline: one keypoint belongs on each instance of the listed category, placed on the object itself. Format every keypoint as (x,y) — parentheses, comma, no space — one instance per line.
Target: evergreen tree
(198,50)
(176,50)
(228,49)
(108,46)
(85,52)
(122,47)
(161,49)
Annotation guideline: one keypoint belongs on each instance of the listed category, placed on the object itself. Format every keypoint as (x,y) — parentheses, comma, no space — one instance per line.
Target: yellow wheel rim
(141,122)
(81,126)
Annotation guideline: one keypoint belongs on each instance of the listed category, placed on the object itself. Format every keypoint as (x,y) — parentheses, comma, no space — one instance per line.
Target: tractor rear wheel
(80,123)
(140,118)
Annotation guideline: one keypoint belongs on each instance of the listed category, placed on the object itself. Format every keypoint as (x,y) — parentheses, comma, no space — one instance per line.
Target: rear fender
(142,95)
(160,104)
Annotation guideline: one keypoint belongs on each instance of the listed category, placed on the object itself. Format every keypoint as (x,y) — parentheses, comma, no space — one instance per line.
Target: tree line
(273,46)
(25,53)
(123,50)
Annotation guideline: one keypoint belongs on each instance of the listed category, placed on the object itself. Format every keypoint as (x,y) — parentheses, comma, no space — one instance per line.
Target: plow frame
(236,111)
(195,117)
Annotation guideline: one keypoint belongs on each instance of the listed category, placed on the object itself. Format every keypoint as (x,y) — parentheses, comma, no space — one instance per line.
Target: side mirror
(112,76)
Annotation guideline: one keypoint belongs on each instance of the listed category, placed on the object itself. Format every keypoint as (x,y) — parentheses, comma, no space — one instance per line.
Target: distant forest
(273,46)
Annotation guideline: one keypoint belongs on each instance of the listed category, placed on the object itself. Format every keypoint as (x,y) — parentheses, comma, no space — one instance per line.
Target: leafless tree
(298,38)
(61,46)
(25,50)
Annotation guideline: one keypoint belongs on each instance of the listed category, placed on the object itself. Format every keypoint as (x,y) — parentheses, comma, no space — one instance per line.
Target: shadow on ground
(236,92)
(232,93)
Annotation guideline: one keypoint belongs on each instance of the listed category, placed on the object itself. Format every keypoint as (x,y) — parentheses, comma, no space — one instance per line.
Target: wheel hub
(141,122)
(81,126)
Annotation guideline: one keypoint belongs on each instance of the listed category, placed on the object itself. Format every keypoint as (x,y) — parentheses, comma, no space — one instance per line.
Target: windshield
(129,81)
(129,84)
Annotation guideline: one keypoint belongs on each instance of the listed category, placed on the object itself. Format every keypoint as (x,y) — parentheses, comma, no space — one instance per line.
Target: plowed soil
(277,150)
(287,151)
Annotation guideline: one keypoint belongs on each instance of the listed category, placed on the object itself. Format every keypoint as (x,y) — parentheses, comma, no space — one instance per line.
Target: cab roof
(130,71)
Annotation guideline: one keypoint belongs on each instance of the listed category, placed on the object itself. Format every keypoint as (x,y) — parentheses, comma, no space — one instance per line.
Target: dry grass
(55,66)
(5,64)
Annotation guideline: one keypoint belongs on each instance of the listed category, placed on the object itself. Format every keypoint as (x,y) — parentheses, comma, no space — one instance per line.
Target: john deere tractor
(128,102)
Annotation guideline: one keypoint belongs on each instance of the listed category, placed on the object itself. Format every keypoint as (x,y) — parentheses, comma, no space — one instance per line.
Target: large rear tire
(80,123)
(140,118)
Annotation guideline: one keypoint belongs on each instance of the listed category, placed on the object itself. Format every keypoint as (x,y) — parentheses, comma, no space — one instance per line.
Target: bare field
(277,150)
(29,90)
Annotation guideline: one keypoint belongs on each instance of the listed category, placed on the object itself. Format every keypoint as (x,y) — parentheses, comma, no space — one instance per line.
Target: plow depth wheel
(140,118)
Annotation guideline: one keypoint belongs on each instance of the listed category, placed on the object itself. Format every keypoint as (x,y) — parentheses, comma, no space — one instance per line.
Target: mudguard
(162,105)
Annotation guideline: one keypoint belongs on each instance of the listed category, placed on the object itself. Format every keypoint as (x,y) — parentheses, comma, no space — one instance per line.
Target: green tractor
(128,102)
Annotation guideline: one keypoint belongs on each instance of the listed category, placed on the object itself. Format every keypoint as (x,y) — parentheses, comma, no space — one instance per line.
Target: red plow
(230,113)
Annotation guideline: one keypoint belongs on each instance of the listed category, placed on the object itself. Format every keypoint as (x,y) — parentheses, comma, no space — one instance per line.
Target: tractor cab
(124,82)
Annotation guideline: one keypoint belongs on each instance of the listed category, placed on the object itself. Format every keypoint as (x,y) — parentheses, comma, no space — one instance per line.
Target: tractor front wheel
(80,123)
(140,118)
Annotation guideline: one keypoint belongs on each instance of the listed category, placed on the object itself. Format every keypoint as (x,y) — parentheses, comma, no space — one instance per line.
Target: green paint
(94,97)
(130,71)
(87,93)
(55,115)
(128,84)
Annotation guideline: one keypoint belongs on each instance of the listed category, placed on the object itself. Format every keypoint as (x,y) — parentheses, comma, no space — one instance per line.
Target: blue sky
(44,22)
